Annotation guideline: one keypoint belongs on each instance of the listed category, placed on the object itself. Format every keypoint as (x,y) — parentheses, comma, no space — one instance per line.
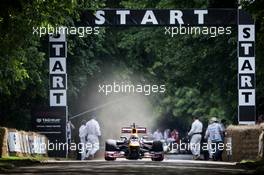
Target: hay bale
(3,142)
(245,141)
(262,126)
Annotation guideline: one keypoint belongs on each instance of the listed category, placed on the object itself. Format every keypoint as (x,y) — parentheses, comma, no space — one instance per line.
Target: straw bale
(3,142)
(245,141)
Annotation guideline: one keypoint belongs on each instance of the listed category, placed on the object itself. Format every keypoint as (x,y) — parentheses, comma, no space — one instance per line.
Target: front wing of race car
(114,150)
(113,155)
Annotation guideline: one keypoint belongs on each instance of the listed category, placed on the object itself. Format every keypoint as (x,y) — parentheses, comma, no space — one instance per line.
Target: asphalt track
(137,167)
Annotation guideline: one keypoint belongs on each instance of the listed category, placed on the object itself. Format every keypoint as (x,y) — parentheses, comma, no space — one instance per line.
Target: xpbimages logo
(212,31)
(54,30)
(123,87)
(59,146)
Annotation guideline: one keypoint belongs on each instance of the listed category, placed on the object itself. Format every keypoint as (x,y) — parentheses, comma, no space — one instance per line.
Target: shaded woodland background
(200,73)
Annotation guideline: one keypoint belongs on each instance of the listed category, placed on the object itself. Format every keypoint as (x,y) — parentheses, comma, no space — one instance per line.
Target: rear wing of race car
(134,130)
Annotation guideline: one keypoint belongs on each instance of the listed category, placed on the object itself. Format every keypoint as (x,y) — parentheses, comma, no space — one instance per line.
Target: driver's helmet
(134,137)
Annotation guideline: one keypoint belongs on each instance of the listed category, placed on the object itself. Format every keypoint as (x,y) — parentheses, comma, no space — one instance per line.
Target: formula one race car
(134,147)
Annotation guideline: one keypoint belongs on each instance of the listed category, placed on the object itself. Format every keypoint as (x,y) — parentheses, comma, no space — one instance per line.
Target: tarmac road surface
(137,167)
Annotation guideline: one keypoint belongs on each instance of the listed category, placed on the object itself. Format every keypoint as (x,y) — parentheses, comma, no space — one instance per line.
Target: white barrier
(14,142)
(26,142)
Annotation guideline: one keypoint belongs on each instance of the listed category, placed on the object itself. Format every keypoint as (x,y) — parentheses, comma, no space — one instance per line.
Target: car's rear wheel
(157,146)
(157,149)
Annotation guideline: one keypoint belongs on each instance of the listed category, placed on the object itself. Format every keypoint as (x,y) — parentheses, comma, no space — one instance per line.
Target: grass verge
(12,162)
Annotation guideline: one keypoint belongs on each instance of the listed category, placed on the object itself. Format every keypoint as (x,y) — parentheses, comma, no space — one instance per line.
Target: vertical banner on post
(58,84)
(246,69)
(57,66)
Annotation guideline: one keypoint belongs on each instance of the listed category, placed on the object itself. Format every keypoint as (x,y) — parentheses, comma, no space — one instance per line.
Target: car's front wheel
(110,148)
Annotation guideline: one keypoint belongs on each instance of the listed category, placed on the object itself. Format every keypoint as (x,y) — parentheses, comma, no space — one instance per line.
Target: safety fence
(21,143)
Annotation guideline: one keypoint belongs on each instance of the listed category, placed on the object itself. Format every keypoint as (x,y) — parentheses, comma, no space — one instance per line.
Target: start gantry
(163,17)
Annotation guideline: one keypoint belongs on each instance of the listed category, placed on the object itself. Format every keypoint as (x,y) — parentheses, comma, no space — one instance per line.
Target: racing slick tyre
(110,145)
(157,148)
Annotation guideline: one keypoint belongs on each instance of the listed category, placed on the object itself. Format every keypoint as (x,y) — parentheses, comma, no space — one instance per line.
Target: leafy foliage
(200,78)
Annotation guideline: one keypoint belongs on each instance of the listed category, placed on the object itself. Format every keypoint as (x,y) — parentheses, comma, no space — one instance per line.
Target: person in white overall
(93,134)
(83,135)
(196,135)
(209,142)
